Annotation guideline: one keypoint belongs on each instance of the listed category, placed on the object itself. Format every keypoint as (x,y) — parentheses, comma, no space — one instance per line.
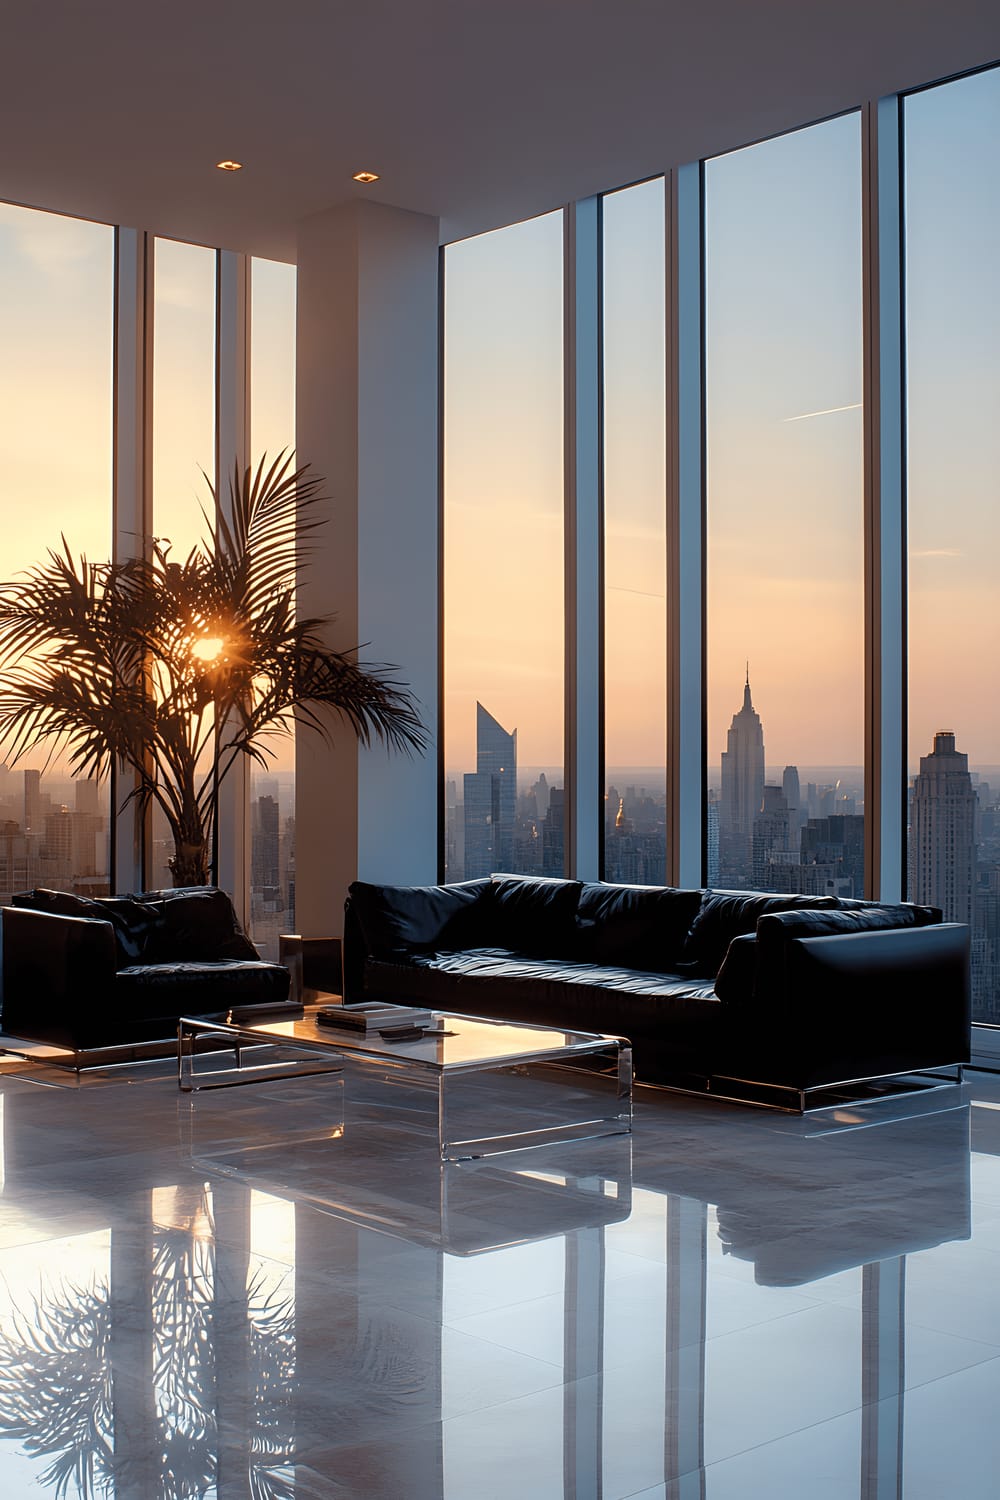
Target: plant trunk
(190,863)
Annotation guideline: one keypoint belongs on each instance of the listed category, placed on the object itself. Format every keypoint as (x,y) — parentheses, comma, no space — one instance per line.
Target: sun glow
(208,648)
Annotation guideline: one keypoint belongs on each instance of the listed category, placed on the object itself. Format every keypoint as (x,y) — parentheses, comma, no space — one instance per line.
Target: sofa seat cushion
(188,988)
(501,961)
(679,1013)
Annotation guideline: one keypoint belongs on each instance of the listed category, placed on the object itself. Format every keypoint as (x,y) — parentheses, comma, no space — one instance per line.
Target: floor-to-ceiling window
(56,384)
(184,410)
(503,551)
(785,614)
(272,431)
(635,544)
(952,229)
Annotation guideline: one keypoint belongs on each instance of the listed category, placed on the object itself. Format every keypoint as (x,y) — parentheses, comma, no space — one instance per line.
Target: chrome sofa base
(802,1101)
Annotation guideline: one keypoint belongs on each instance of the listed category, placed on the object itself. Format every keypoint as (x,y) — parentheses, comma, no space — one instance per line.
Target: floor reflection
(252,1301)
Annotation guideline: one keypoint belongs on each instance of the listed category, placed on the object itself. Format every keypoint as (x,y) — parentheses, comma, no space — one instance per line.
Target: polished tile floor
(277,1291)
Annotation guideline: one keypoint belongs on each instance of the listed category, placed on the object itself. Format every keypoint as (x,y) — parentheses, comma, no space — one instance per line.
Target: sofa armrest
(55,969)
(902,994)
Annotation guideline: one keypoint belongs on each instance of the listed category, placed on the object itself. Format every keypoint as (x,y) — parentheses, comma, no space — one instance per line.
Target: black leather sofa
(84,974)
(744,994)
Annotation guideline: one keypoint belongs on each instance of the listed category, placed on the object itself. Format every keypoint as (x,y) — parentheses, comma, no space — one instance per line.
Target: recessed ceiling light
(229,166)
(365,177)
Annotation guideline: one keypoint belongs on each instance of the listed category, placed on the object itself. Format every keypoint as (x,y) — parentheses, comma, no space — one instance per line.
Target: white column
(885,502)
(232,424)
(133,487)
(685,532)
(367,421)
(584,482)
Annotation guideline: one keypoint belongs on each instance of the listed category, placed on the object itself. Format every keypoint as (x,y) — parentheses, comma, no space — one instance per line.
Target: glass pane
(183,390)
(56,372)
(783,372)
(953,467)
(635,542)
(184,336)
(503,558)
(272,429)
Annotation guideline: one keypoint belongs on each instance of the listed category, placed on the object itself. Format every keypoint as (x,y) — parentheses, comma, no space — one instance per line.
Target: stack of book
(373,1016)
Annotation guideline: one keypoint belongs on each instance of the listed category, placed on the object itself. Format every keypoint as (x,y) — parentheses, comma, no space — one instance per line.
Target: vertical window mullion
(232,425)
(583,496)
(885,530)
(132,495)
(685,530)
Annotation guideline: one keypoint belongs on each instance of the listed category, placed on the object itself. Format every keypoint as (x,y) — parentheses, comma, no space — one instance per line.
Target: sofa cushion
(407,918)
(637,927)
(735,980)
(199,925)
(669,1011)
(724,915)
(138,927)
(144,991)
(501,961)
(530,915)
(776,929)
(775,926)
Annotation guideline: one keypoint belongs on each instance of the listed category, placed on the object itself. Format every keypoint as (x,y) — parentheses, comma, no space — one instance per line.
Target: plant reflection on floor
(158,1395)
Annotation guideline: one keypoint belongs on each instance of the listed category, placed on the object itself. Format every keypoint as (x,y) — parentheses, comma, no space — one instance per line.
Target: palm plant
(174,669)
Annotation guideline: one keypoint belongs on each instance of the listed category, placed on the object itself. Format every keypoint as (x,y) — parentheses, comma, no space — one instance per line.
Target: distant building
(490,794)
(554,834)
(943,834)
(265,862)
(742,793)
(712,839)
(837,841)
(770,834)
(32,822)
(793,797)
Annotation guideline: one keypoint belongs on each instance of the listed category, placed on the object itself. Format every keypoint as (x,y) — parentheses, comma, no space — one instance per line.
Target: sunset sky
(57,320)
(784,452)
(784,428)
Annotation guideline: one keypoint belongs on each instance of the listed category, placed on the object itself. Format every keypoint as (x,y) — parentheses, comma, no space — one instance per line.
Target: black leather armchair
(85,974)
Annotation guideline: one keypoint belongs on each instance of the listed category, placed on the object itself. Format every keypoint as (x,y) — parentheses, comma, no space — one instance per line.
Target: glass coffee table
(495,1085)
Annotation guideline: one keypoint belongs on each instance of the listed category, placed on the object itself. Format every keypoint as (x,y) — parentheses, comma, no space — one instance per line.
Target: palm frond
(100,662)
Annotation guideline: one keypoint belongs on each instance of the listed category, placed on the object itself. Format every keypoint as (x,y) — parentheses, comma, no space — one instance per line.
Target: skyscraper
(265,860)
(32,802)
(742,792)
(793,797)
(943,836)
(770,834)
(490,799)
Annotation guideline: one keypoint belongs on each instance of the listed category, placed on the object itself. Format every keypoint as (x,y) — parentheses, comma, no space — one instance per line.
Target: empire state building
(742,793)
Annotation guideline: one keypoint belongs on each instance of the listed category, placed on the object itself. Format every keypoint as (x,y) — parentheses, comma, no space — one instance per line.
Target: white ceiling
(479,111)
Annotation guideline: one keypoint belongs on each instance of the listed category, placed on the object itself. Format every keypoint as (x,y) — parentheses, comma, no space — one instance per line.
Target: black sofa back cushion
(138,927)
(397,919)
(633,927)
(531,915)
(198,925)
(724,915)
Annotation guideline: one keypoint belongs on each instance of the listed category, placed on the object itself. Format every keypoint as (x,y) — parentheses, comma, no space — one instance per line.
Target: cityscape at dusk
(793,830)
